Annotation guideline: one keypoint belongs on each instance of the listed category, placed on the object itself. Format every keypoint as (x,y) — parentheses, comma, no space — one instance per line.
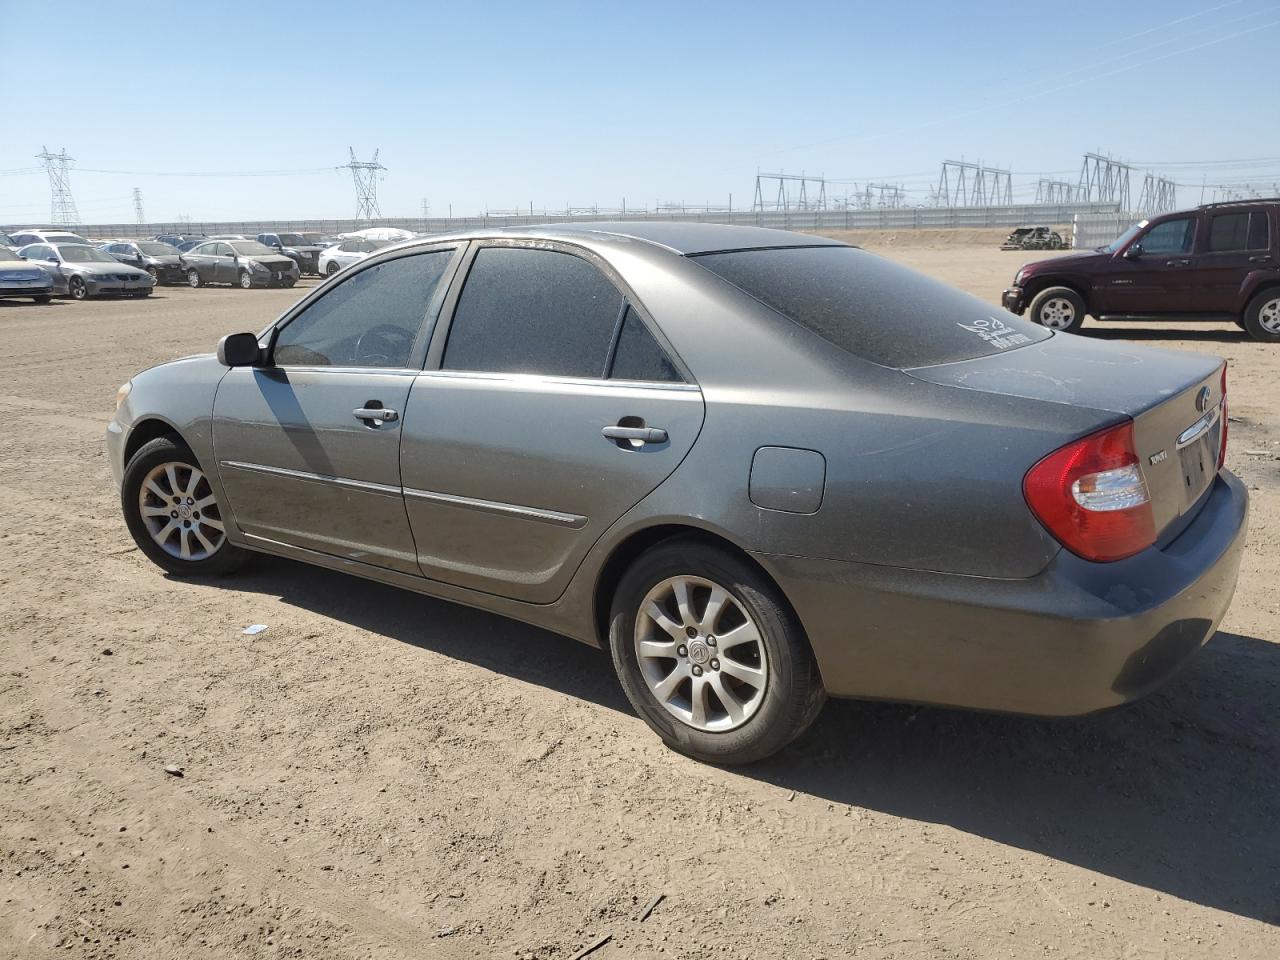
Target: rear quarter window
(871,307)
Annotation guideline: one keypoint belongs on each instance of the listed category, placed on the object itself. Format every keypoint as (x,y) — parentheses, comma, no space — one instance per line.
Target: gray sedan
(759,468)
(81,271)
(243,263)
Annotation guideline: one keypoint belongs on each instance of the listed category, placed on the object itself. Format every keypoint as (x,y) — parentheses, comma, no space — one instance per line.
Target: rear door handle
(1178,263)
(376,413)
(643,434)
(1262,258)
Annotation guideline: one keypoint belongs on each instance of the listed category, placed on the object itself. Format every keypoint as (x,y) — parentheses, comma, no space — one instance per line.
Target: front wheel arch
(146,430)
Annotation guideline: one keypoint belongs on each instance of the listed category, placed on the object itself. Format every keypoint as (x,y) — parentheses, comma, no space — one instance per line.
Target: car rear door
(200,257)
(308,447)
(549,408)
(1157,279)
(1239,245)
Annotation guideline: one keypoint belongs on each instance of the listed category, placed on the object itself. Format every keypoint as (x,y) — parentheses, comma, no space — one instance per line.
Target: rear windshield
(872,307)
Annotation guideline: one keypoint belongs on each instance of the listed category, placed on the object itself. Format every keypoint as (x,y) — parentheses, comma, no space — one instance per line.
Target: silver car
(80,271)
(760,468)
(21,279)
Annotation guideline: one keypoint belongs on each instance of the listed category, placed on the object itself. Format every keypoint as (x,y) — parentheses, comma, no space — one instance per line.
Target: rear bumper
(1012,299)
(1077,638)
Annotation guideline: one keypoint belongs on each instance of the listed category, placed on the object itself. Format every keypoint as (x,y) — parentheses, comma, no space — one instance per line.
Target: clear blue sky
(500,104)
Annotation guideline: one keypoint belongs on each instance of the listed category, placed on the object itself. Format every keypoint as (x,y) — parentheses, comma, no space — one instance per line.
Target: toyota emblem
(1202,399)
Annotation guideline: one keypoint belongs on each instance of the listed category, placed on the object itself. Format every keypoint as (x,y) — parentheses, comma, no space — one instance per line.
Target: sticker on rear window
(996,332)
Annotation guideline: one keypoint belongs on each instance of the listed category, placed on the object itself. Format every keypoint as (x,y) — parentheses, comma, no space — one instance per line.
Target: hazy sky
(498,105)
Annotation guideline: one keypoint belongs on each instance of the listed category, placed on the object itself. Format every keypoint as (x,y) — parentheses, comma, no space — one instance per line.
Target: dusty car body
(937,501)
(80,271)
(162,260)
(240,262)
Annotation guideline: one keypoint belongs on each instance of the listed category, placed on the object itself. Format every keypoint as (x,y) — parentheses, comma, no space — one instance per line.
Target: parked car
(346,252)
(81,271)
(178,239)
(21,279)
(32,235)
(244,263)
(186,245)
(7,243)
(1033,238)
(162,261)
(759,467)
(303,248)
(1220,261)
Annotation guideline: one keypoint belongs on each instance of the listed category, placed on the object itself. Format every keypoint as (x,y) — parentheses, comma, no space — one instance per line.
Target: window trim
(426,326)
(1208,234)
(444,322)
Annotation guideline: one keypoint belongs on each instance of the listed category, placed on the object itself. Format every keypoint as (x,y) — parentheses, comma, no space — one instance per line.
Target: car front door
(1155,274)
(46,258)
(1239,246)
(225,268)
(547,410)
(201,259)
(308,447)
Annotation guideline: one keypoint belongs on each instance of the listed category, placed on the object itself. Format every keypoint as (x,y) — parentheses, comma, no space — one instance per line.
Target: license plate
(1199,462)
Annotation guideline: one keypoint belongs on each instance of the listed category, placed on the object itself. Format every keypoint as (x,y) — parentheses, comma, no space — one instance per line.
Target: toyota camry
(759,468)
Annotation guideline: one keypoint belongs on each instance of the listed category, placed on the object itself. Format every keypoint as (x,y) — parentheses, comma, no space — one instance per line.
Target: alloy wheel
(1269,316)
(1058,313)
(701,654)
(180,512)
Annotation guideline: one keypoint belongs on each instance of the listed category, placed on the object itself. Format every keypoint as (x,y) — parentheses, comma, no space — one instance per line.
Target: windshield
(872,307)
(63,238)
(76,253)
(152,249)
(293,239)
(1123,240)
(315,238)
(250,248)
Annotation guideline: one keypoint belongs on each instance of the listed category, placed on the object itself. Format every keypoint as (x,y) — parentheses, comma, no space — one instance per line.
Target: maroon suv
(1217,262)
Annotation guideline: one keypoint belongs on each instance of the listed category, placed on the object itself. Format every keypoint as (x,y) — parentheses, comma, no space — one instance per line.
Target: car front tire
(1058,308)
(1262,316)
(193,278)
(245,280)
(710,654)
(78,289)
(42,298)
(332,268)
(172,513)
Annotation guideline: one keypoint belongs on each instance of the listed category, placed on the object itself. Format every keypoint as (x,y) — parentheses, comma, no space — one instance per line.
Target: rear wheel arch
(636,544)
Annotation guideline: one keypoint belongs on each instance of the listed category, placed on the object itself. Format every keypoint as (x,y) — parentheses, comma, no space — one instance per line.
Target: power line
(209,173)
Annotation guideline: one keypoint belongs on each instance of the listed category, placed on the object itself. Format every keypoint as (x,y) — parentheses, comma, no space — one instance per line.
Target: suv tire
(1058,308)
(777,708)
(1262,316)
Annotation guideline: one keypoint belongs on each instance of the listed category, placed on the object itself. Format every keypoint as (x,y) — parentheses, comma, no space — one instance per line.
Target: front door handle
(643,434)
(376,414)
(1262,258)
(1178,263)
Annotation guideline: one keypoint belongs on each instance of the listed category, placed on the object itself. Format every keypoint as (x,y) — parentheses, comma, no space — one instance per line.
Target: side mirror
(1134,251)
(239,350)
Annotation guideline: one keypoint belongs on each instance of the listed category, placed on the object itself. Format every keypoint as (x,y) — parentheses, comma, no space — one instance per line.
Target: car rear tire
(78,289)
(1262,316)
(290,281)
(245,280)
(713,698)
(172,513)
(1058,308)
(193,278)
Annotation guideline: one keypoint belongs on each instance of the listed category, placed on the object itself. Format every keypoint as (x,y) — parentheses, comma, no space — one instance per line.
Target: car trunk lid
(1175,400)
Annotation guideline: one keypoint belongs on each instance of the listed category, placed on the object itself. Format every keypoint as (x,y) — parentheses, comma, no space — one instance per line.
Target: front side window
(1172,236)
(38,252)
(871,307)
(1239,231)
(371,319)
(526,310)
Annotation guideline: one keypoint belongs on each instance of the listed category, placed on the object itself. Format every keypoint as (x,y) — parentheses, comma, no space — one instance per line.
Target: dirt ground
(379,775)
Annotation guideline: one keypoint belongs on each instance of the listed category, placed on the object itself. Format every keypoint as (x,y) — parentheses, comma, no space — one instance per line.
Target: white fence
(1093,230)
(886,218)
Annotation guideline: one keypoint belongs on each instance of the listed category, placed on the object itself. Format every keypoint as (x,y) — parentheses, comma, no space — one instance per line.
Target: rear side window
(526,310)
(371,319)
(1239,231)
(872,307)
(638,355)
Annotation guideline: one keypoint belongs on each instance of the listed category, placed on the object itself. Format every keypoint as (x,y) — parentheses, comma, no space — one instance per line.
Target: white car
(347,252)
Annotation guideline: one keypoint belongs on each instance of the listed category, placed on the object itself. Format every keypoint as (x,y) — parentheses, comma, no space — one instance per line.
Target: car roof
(686,239)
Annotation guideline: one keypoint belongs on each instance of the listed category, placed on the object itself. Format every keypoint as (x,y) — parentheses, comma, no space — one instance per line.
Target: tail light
(1092,496)
(1222,430)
